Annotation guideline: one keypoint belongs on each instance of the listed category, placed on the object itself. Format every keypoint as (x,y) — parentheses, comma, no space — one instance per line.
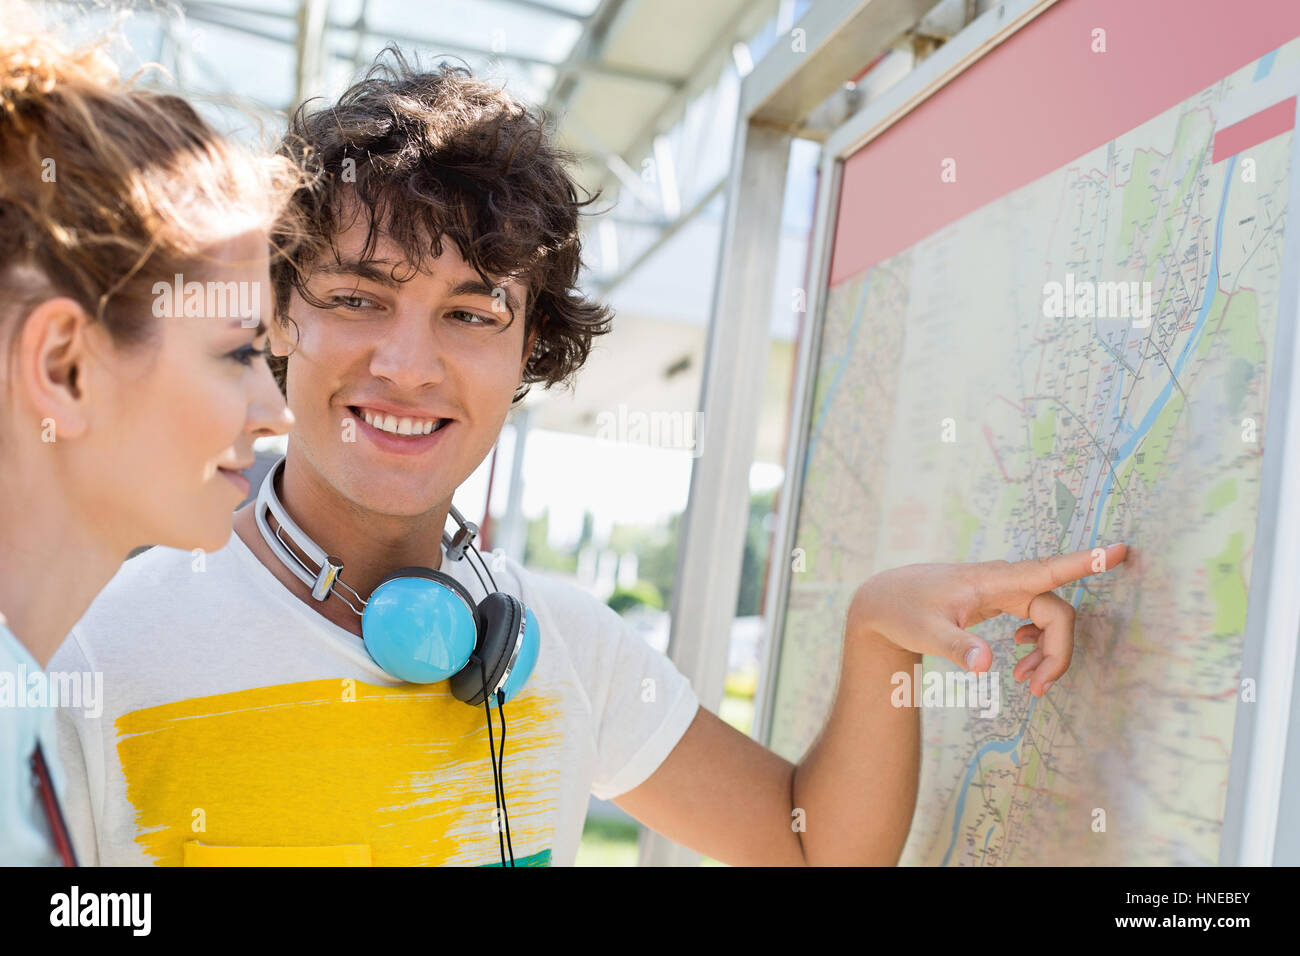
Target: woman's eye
(245,355)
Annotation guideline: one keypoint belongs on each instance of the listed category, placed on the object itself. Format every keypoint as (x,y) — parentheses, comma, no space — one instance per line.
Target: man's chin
(393,493)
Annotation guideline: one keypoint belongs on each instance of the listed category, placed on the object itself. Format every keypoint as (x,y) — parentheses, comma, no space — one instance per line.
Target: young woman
(134,281)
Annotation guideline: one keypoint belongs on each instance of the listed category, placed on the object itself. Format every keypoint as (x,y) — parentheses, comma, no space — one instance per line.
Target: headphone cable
(483,564)
(498,763)
(496,785)
(502,776)
(480,577)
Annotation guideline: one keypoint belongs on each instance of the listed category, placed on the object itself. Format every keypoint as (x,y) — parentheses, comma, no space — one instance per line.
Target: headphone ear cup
(527,659)
(500,615)
(429,574)
(420,626)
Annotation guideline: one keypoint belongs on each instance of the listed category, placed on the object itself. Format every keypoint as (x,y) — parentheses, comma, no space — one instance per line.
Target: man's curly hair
(443,154)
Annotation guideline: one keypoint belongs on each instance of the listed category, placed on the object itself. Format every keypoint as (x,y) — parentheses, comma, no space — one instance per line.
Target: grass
(608,843)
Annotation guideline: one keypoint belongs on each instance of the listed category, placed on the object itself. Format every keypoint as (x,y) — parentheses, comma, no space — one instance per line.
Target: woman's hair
(431,155)
(106,189)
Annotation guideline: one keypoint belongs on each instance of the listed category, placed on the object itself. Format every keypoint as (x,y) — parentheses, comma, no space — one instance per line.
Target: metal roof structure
(626,82)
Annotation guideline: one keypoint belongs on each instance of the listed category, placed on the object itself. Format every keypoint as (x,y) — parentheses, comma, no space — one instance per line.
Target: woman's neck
(52,565)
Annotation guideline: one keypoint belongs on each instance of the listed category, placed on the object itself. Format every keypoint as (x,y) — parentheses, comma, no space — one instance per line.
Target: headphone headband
(268,500)
(329,567)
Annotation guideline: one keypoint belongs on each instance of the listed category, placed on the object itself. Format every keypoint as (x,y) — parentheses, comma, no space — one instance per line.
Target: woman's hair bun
(106,187)
(34,64)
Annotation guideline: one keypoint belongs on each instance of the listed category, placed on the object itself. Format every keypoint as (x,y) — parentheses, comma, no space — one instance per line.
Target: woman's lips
(238,480)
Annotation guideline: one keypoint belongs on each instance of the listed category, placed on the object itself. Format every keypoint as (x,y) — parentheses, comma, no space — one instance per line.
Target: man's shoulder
(592,635)
(561,598)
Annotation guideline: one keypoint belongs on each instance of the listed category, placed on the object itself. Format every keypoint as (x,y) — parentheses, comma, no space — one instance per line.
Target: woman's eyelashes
(246,354)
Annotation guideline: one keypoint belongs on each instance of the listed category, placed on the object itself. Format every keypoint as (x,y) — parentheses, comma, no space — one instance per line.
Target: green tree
(656,551)
(754,561)
(588,526)
(538,552)
(643,593)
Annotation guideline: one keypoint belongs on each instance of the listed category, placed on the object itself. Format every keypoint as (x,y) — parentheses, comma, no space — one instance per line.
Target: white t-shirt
(25,718)
(241,727)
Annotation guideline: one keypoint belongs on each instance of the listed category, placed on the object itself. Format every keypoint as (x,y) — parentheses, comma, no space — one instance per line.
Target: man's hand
(925,608)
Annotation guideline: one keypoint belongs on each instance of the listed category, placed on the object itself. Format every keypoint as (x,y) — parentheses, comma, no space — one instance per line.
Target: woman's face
(176,419)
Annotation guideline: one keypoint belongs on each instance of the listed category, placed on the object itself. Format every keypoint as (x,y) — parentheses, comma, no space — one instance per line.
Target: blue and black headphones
(422,626)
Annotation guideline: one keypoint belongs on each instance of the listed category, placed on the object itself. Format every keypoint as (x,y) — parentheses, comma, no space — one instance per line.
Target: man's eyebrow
(376,270)
(478,287)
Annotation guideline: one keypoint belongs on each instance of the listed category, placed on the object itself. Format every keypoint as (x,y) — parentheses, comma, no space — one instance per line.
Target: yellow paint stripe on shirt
(201,854)
(402,770)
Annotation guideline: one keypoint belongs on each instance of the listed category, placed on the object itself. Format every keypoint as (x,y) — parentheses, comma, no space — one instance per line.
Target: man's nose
(410,355)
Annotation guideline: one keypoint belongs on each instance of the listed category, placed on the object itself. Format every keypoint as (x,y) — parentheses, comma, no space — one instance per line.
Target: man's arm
(727,796)
(858,782)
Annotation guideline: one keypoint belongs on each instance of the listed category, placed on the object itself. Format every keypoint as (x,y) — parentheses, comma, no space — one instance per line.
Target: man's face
(394,356)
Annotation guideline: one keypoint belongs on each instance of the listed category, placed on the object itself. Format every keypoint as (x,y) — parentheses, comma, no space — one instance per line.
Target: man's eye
(352,301)
(474,317)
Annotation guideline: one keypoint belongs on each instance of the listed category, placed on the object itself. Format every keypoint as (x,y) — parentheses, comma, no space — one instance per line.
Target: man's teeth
(400,426)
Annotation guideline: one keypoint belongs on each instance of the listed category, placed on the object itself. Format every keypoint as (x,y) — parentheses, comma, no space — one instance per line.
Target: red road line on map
(1230,692)
(988,437)
(1050,793)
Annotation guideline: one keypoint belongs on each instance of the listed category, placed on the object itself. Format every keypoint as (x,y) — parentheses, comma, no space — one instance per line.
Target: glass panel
(488,25)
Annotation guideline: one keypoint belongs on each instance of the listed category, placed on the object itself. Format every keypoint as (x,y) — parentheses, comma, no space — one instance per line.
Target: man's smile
(399,425)
(404,435)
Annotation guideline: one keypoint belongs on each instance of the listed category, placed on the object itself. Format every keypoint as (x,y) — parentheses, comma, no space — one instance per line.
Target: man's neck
(370,545)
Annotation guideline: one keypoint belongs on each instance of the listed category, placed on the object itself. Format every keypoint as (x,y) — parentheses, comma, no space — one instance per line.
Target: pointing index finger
(1045,574)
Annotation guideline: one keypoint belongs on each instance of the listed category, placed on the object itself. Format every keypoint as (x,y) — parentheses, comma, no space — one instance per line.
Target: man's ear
(528,348)
(53,365)
(278,332)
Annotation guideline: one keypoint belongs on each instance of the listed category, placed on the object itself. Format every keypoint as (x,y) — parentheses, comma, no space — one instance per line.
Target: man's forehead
(352,246)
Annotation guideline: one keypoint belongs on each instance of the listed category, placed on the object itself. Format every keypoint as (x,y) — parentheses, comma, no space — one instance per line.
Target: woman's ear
(54,367)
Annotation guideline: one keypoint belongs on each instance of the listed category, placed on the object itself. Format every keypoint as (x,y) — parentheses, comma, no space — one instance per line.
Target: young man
(244,720)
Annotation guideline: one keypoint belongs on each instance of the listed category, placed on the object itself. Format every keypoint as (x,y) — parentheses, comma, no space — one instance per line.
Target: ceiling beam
(589,48)
(247,21)
(719,48)
(309,49)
